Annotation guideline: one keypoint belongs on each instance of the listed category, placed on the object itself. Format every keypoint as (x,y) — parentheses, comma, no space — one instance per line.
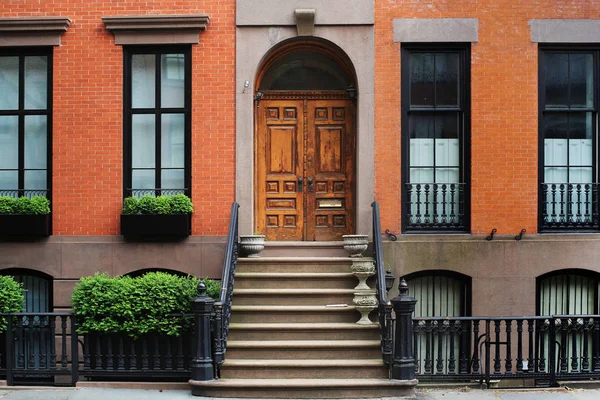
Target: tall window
(568,112)
(25,122)
(157,120)
(435,125)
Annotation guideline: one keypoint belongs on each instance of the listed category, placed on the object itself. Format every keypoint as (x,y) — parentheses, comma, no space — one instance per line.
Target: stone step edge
(290,243)
(295,292)
(304,363)
(303,326)
(298,275)
(325,309)
(293,260)
(305,383)
(305,344)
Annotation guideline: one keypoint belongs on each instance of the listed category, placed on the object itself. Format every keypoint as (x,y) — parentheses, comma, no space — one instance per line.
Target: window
(568,113)
(435,126)
(25,121)
(157,121)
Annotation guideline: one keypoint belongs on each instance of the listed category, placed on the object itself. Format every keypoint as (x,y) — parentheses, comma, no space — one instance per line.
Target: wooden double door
(305,161)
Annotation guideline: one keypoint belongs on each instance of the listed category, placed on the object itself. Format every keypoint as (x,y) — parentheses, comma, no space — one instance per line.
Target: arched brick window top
(156,29)
(32,31)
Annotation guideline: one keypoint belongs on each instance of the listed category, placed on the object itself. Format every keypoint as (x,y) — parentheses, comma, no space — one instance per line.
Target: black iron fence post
(74,350)
(403,362)
(10,350)
(552,352)
(202,363)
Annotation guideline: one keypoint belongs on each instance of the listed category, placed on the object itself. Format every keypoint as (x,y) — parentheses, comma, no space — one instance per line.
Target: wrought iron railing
(436,206)
(222,308)
(39,346)
(541,349)
(386,326)
(154,192)
(24,193)
(567,206)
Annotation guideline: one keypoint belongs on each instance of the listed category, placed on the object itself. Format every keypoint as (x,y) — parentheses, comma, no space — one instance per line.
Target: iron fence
(436,206)
(569,206)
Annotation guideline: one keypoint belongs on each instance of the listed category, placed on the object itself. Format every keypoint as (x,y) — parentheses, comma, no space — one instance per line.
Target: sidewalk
(423,394)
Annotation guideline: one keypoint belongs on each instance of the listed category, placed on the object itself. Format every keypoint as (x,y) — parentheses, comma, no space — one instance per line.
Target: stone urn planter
(355,245)
(365,302)
(362,269)
(252,245)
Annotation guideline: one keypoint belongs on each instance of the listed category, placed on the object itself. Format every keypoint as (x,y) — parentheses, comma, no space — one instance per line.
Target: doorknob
(310,184)
(300,184)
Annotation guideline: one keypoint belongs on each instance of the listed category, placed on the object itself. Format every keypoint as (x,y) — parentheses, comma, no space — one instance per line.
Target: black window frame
(594,225)
(464,51)
(129,111)
(21,112)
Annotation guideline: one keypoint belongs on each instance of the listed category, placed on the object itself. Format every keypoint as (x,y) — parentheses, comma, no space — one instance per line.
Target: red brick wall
(504,93)
(87,111)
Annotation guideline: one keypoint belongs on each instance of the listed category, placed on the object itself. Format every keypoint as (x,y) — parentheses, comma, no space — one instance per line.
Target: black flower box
(24,225)
(156,225)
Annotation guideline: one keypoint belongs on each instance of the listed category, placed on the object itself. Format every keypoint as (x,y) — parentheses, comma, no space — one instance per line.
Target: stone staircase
(293,331)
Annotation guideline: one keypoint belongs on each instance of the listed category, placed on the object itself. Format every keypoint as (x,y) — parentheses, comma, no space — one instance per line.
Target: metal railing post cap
(202,302)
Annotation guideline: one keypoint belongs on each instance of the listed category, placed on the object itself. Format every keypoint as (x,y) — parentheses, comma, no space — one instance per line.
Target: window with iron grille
(435,131)
(25,121)
(157,121)
(568,139)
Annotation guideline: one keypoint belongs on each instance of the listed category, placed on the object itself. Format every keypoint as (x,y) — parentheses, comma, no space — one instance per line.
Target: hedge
(24,205)
(175,204)
(136,306)
(11,297)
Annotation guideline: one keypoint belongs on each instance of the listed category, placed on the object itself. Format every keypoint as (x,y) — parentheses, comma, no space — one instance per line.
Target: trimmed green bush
(11,297)
(36,205)
(147,204)
(135,306)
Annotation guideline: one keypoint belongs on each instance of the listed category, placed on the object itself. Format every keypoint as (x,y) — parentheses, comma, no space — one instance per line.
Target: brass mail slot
(330,203)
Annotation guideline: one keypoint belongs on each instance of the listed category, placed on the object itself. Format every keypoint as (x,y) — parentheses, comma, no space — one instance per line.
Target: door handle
(300,185)
(310,184)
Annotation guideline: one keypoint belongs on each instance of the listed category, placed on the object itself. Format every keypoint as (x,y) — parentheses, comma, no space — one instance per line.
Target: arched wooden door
(305,145)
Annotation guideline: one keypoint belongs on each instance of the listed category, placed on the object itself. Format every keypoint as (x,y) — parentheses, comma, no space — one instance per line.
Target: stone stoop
(293,331)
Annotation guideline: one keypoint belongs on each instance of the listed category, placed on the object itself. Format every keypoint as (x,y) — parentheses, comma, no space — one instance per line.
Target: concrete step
(296,280)
(269,314)
(304,369)
(303,349)
(300,297)
(305,388)
(304,249)
(294,264)
(303,331)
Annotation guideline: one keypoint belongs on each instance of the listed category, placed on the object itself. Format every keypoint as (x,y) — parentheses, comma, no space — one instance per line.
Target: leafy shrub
(135,306)
(11,297)
(147,204)
(24,205)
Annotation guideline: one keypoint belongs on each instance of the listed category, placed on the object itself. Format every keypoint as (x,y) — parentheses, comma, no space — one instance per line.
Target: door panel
(305,168)
(280,147)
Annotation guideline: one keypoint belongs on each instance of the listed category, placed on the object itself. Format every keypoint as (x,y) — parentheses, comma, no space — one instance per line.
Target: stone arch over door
(260,28)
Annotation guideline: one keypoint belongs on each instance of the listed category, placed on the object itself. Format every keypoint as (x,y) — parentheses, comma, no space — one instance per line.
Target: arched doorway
(305,142)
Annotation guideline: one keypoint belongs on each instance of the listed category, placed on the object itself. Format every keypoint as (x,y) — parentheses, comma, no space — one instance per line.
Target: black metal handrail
(222,308)
(384,306)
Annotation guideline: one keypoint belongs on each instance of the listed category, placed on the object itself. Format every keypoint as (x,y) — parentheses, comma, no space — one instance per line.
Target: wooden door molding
(305,166)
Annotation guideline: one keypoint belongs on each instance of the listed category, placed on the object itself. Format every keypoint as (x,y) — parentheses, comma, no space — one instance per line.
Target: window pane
(580,125)
(555,175)
(172,179)
(421,175)
(447,153)
(9,141)
(36,83)
(422,79)
(9,83)
(172,141)
(446,175)
(580,175)
(582,80)
(446,126)
(35,180)
(142,179)
(557,79)
(143,141)
(172,81)
(446,79)
(35,141)
(143,77)
(555,151)
(421,125)
(556,126)
(9,180)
